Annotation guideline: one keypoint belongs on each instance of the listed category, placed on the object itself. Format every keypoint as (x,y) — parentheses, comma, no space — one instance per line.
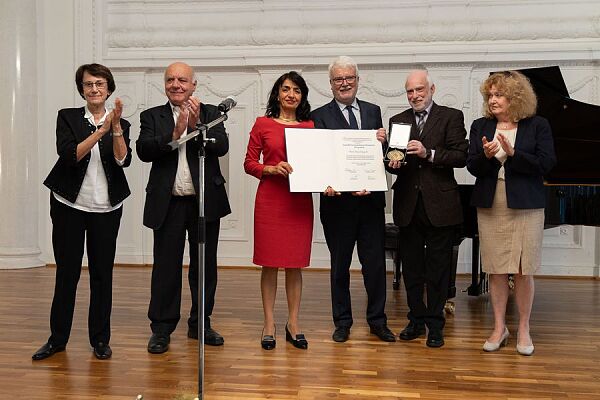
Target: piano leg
(397,268)
(454,266)
(449,307)
(478,280)
(392,245)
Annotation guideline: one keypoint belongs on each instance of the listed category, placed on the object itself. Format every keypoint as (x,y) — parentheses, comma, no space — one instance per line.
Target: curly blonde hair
(516,88)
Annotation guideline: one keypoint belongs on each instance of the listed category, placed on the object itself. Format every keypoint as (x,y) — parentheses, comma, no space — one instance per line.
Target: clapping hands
(491,148)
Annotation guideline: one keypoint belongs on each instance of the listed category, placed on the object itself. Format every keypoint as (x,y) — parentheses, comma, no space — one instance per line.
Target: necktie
(420,121)
(352,118)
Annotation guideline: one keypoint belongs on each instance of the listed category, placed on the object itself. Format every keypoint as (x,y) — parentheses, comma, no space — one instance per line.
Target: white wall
(56,73)
(240,47)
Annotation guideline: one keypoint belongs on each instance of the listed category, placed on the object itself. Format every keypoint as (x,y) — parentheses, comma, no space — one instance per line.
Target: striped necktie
(420,121)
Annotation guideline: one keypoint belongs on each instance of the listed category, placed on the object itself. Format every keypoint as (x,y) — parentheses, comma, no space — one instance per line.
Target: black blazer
(156,131)
(524,172)
(444,131)
(330,116)
(67,175)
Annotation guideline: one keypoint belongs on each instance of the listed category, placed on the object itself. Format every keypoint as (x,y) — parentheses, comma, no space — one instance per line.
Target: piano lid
(575,127)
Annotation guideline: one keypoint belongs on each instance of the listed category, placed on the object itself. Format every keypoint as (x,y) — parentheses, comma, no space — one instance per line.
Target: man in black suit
(353,218)
(427,205)
(171,207)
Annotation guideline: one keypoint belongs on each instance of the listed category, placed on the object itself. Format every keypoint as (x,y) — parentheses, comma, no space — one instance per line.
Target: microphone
(227,104)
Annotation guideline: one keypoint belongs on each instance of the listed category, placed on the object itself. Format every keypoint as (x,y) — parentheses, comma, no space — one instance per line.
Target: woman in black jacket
(88,188)
(510,151)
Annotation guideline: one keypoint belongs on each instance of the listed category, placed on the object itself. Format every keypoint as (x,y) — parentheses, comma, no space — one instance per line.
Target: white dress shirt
(428,109)
(183,185)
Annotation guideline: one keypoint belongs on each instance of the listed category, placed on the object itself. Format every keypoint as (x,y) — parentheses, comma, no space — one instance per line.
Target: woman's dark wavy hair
(303,110)
(95,70)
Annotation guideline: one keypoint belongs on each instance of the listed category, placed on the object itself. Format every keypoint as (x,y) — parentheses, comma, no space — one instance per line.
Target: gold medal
(395,155)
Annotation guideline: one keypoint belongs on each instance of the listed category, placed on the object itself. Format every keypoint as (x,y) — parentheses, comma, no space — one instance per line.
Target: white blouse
(511,135)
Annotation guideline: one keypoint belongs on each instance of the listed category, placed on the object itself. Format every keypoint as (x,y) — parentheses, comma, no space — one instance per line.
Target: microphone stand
(201,130)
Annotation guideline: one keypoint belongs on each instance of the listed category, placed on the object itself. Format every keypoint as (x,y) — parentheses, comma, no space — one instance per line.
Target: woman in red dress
(283,221)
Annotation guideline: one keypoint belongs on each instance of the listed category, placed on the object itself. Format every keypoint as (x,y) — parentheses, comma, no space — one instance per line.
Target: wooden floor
(565,329)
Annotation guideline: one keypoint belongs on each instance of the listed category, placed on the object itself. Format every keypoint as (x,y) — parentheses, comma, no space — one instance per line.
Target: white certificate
(348,160)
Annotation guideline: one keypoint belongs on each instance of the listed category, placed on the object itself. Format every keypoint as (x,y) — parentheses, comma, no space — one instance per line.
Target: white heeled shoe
(525,350)
(495,346)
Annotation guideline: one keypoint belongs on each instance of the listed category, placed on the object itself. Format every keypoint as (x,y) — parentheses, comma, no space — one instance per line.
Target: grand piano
(573,186)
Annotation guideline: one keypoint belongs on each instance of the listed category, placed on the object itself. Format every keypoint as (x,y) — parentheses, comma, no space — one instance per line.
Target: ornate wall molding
(256,32)
(240,47)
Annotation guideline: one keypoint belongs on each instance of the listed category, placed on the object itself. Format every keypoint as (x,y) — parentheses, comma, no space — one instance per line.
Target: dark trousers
(426,253)
(169,244)
(364,227)
(69,229)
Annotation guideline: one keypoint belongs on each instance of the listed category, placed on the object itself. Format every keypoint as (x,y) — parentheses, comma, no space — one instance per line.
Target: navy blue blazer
(330,116)
(524,171)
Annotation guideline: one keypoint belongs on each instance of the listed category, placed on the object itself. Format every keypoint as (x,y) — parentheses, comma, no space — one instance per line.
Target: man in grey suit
(427,206)
(353,218)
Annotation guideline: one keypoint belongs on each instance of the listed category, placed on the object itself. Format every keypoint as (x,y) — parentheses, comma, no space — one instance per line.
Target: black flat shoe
(158,343)
(268,342)
(383,333)
(435,338)
(341,334)
(213,338)
(412,331)
(192,333)
(299,341)
(102,351)
(46,351)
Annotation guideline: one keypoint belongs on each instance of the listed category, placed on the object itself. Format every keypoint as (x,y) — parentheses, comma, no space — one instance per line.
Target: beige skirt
(510,237)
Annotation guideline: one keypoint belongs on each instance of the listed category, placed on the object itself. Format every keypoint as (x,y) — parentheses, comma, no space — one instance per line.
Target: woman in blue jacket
(510,151)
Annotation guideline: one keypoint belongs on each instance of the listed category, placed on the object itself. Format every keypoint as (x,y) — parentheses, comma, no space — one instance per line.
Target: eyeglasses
(98,84)
(340,79)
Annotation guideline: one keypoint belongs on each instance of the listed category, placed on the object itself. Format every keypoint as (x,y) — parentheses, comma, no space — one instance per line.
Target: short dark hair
(303,110)
(95,70)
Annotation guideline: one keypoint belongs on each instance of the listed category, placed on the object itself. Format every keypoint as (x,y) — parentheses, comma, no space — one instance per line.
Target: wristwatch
(117,133)
(427,154)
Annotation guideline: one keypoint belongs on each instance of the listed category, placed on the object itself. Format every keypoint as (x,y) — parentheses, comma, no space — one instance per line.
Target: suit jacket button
(417,187)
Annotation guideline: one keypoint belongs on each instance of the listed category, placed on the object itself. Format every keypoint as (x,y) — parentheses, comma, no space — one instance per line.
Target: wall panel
(240,47)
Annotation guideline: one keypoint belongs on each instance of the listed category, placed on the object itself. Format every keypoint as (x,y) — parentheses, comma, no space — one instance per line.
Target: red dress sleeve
(252,166)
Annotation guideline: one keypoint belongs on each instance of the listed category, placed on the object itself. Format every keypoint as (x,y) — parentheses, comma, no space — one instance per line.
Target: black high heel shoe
(299,341)
(268,342)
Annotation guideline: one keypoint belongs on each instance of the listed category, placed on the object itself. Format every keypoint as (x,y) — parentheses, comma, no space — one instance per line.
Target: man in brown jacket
(427,205)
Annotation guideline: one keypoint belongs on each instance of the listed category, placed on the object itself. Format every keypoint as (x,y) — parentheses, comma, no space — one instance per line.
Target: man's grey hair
(429,78)
(343,62)
(430,82)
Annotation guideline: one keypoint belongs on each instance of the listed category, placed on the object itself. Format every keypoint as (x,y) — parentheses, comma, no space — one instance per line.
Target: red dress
(283,221)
